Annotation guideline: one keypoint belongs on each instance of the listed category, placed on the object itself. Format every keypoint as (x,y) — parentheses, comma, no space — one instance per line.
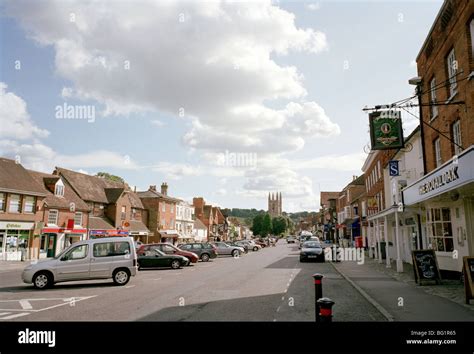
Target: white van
(101,258)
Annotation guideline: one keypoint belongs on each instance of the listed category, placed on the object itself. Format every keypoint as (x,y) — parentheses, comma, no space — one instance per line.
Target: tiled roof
(155,194)
(97,223)
(53,201)
(16,179)
(89,188)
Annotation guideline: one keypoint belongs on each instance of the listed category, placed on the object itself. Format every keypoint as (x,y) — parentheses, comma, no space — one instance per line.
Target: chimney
(152,188)
(164,188)
(198,203)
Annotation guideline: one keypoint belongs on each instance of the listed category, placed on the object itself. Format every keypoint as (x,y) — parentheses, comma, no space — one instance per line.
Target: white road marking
(156,279)
(65,301)
(129,286)
(25,304)
(5,313)
(15,316)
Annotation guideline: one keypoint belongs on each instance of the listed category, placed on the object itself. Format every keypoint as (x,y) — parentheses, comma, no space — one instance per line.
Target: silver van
(102,258)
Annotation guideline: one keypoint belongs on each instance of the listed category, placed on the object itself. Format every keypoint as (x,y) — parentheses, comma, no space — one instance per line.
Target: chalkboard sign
(468,270)
(425,266)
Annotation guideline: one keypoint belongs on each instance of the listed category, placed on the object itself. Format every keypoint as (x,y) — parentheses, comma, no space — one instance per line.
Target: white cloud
(15,122)
(177,170)
(347,162)
(313,6)
(157,123)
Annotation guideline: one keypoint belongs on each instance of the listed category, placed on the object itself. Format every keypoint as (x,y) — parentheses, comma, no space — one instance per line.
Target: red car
(168,248)
(258,242)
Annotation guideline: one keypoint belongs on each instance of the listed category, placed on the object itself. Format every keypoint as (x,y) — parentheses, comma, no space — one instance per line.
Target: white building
(185,221)
(200,231)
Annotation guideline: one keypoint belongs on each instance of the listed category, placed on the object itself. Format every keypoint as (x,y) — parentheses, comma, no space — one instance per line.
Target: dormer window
(59,189)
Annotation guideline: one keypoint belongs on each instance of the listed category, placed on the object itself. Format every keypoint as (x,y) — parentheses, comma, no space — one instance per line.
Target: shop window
(456,131)
(29,206)
(15,203)
(434,108)
(439,229)
(2,202)
(452,66)
(78,219)
(53,217)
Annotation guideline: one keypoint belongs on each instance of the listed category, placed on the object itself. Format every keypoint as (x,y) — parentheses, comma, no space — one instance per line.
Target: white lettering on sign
(439,181)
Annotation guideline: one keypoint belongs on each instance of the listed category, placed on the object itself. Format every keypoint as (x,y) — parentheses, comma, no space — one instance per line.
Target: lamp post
(417,81)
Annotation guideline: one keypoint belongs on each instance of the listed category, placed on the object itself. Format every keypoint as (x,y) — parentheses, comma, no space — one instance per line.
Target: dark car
(311,250)
(154,258)
(168,248)
(240,244)
(204,251)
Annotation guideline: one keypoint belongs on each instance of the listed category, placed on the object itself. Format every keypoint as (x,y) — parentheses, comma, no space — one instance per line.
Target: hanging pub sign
(386,130)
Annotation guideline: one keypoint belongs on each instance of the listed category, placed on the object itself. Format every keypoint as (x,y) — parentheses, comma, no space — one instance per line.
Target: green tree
(279,225)
(110,177)
(266,225)
(257,224)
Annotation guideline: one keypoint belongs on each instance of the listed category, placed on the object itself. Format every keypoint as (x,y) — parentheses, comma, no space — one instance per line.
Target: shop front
(108,233)
(444,200)
(55,239)
(14,240)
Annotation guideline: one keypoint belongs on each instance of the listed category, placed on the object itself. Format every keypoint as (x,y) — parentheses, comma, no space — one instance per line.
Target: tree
(257,224)
(110,177)
(279,225)
(266,225)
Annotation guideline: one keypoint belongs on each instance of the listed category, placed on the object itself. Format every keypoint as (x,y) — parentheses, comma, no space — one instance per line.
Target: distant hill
(242,213)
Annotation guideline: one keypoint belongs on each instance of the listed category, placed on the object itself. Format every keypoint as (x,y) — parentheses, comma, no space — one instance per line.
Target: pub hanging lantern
(386,130)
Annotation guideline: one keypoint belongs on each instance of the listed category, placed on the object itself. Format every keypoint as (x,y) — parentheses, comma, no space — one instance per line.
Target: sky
(225,100)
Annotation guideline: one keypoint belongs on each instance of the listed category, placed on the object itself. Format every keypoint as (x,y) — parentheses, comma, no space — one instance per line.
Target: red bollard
(318,292)
(325,309)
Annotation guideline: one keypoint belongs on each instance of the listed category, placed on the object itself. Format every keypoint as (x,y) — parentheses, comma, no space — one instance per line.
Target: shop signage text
(439,181)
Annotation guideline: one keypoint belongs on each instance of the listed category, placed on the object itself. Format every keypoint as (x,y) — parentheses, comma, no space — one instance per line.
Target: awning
(60,230)
(169,233)
(97,223)
(138,228)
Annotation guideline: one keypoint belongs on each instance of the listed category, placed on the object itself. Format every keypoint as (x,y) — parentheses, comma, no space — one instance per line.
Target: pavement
(398,296)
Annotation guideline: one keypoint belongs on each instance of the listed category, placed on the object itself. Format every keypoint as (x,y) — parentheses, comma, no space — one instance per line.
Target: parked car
(290,239)
(168,248)
(228,250)
(250,245)
(204,251)
(260,243)
(154,258)
(240,244)
(311,250)
(101,258)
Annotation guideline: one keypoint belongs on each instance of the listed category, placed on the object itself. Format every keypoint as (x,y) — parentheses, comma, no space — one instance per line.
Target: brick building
(328,214)
(444,196)
(208,217)
(161,214)
(348,221)
(19,197)
(62,215)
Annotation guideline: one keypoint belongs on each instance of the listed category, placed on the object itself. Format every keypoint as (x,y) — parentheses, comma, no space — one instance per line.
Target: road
(268,285)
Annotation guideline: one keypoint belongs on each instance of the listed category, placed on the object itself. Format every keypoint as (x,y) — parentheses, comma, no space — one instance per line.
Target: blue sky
(304,124)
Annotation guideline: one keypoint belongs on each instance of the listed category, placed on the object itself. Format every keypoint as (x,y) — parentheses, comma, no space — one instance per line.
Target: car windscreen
(311,244)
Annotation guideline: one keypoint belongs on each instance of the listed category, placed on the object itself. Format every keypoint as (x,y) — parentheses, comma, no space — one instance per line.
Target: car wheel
(121,276)
(235,253)
(175,264)
(205,257)
(255,248)
(301,259)
(42,280)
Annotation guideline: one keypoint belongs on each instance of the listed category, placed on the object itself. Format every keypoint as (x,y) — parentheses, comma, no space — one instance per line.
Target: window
(163,222)
(110,249)
(439,229)
(53,217)
(29,206)
(172,224)
(78,252)
(2,201)
(163,207)
(471,30)
(434,109)
(457,137)
(78,219)
(437,152)
(15,203)
(172,208)
(123,213)
(452,64)
(59,189)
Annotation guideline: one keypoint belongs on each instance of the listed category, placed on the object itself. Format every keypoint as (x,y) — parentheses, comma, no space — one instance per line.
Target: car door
(75,264)
(100,260)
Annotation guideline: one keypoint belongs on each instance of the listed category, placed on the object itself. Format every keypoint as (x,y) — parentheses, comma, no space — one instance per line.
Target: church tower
(275,205)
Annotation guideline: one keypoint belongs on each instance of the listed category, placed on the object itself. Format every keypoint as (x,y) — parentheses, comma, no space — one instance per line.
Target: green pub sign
(386,130)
